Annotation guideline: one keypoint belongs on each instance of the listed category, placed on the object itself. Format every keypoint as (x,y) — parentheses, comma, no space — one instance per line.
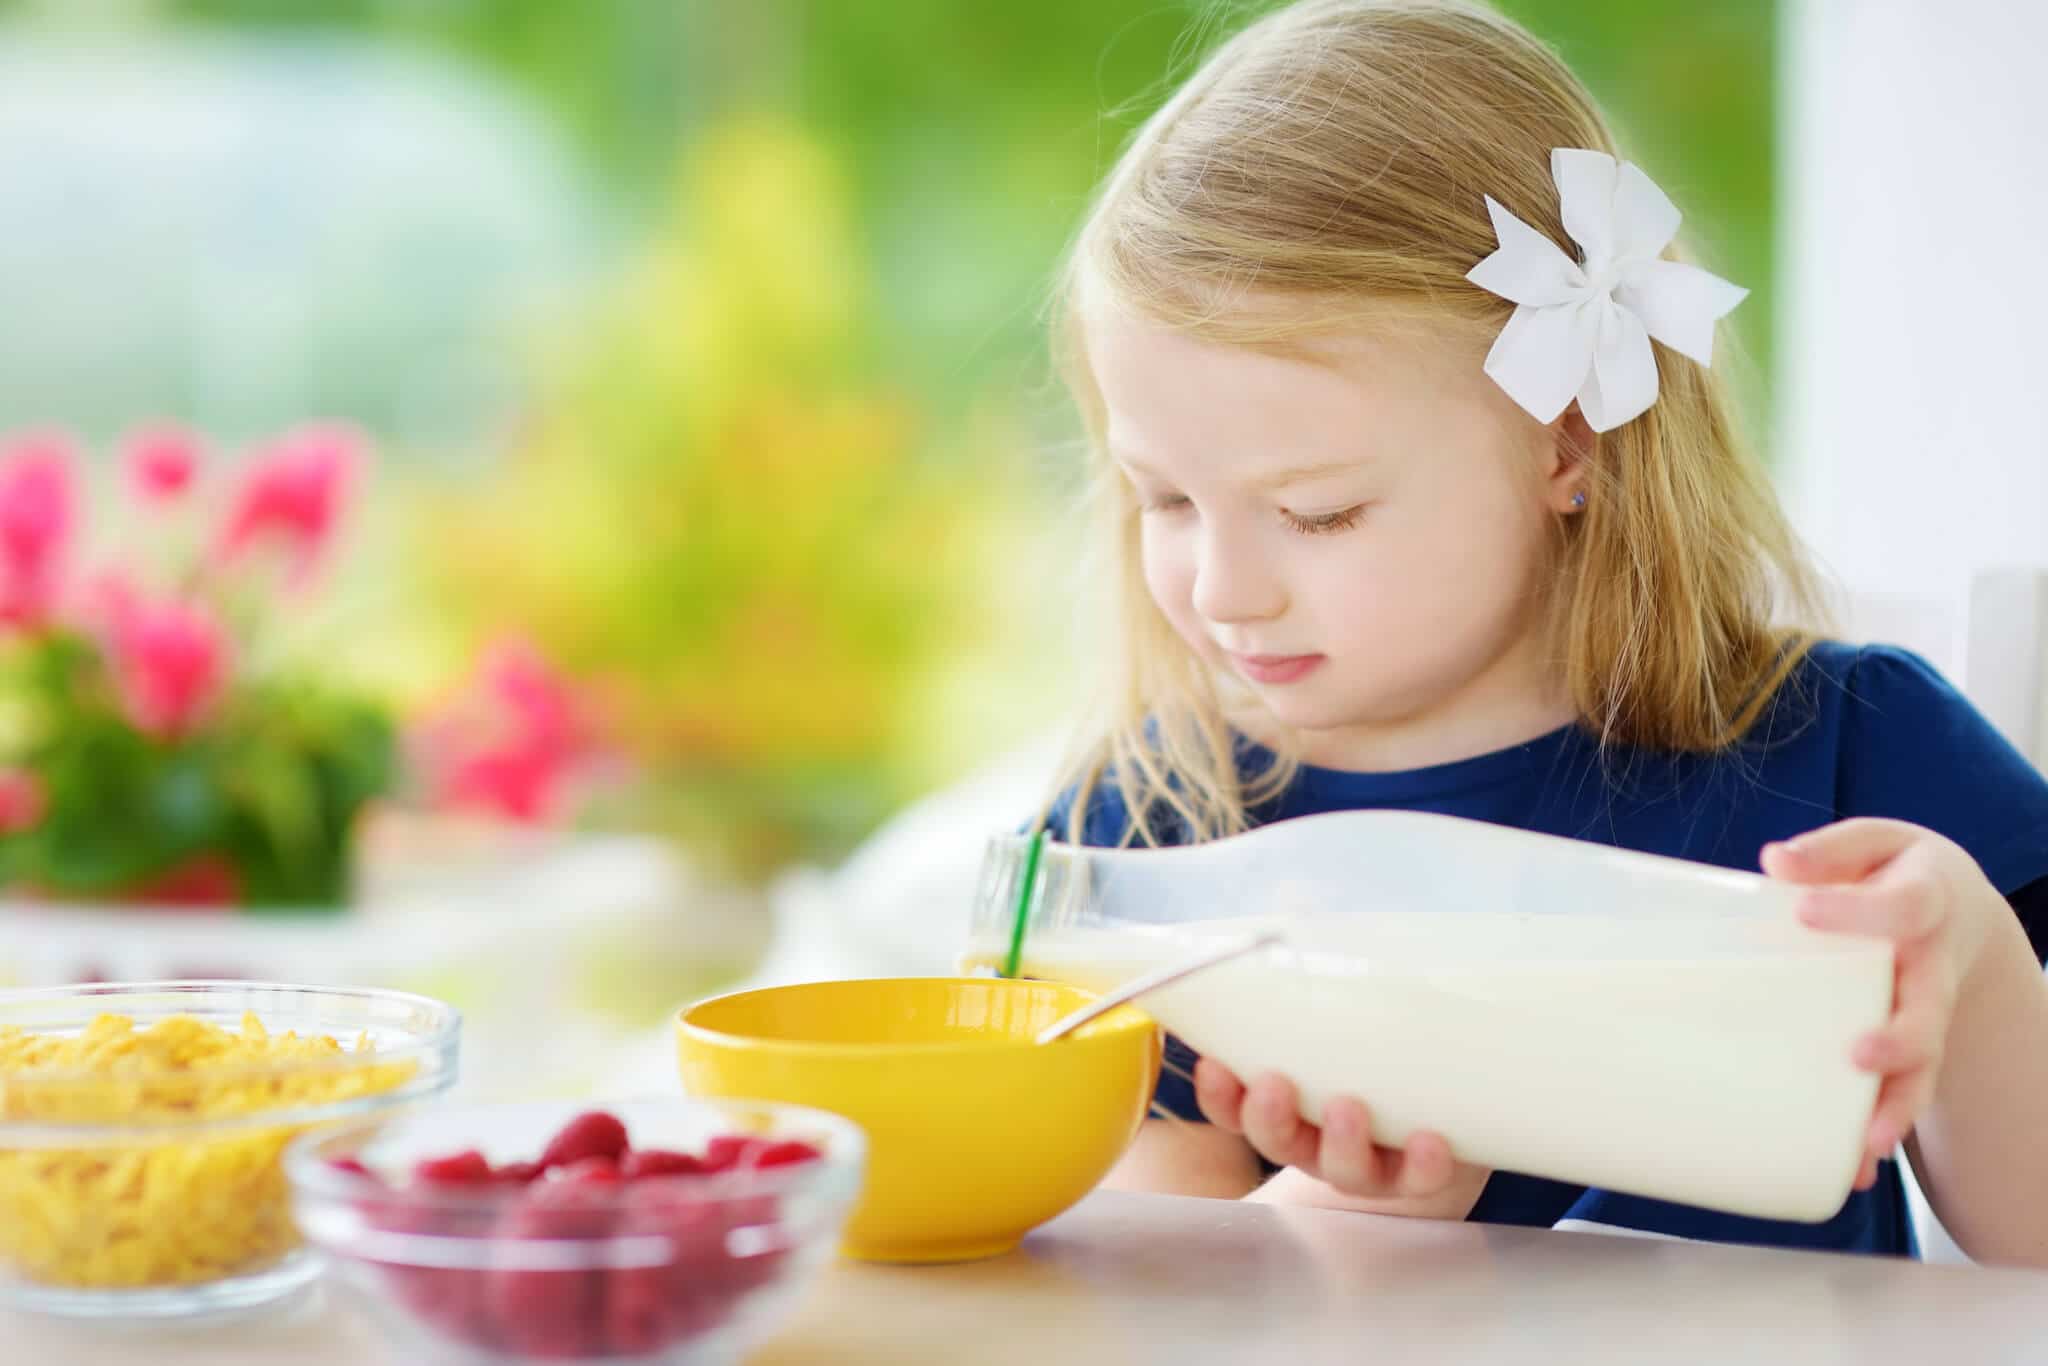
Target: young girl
(1405,508)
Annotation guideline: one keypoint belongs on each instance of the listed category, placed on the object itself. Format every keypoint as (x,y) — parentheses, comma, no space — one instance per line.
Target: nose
(1235,580)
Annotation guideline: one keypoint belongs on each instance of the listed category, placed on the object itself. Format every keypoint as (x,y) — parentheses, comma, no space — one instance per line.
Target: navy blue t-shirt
(1854,732)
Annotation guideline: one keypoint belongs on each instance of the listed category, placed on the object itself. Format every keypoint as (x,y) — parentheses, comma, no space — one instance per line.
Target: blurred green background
(701,341)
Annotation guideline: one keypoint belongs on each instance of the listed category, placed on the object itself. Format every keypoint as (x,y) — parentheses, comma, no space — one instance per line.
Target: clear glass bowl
(124,1194)
(669,1270)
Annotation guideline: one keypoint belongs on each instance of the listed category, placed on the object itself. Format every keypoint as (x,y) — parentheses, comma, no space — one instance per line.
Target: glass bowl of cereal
(141,1128)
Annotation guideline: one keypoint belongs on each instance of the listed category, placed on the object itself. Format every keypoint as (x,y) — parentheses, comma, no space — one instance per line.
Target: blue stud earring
(1579,499)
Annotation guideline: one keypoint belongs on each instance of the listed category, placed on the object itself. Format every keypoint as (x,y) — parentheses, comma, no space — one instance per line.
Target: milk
(1694,1048)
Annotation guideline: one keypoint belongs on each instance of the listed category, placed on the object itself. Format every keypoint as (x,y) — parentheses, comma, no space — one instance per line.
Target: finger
(1220,1094)
(1916,1035)
(1847,851)
(1346,1156)
(1901,910)
(1894,1049)
(1426,1164)
(1866,1174)
(1900,1102)
(1273,1124)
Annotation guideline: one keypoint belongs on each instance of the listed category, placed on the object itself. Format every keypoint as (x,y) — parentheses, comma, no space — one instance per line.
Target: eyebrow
(1302,474)
(1297,474)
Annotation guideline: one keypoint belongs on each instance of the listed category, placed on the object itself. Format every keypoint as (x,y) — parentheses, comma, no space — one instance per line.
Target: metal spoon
(1152,981)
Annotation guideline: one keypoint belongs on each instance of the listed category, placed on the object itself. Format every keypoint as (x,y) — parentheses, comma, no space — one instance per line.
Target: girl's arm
(1176,1157)
(1964,1058)
(1981,1149)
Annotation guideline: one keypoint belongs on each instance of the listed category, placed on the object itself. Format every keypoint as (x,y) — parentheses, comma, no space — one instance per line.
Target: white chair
(1991,641)
(2005,654)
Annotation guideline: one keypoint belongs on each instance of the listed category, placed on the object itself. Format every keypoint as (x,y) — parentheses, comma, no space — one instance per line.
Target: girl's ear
(1573,443)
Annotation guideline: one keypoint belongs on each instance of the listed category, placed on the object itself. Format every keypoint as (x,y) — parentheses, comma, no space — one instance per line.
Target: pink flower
(518,784)
(169,661)
(163,460)
(38,510)
(109,599)
(512,742)
(290,498)
(538,701)
(22,800)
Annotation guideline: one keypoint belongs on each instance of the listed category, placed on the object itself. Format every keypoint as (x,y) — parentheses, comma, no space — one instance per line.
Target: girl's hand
(1895,881)
(1341,1152)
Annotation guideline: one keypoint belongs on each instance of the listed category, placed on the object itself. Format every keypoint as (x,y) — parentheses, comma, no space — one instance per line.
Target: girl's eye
(1166,502)
(1322,523)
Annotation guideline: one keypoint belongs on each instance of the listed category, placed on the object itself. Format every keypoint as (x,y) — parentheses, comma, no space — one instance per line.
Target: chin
(1308,720)
(1308,715)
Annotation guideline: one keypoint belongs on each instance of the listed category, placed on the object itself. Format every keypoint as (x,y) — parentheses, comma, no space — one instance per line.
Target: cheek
(1425,578)
(1469,571)
(1169,573)
(1169,565)
(1508,559)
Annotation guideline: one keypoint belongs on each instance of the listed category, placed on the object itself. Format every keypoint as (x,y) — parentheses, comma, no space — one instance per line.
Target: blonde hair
(1333,157)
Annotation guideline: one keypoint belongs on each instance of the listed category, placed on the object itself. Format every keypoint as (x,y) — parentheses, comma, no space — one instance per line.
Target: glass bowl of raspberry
(664,1231)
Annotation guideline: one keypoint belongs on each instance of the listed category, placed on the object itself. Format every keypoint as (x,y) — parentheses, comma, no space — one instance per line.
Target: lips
(1275,669)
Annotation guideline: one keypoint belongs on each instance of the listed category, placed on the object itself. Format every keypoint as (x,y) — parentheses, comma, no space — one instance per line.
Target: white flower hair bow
(1583,330)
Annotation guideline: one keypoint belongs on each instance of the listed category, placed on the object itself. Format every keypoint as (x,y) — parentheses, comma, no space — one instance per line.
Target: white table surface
(1133,1278)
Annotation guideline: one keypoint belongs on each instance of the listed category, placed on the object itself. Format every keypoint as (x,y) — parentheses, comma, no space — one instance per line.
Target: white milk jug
(1553,1007)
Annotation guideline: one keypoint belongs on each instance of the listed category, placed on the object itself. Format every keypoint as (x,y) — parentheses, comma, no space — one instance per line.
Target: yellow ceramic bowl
(976,1135)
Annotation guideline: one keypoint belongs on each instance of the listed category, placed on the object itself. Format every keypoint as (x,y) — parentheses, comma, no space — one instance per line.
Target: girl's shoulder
(1881,695)
(1871,670)
(1840,693)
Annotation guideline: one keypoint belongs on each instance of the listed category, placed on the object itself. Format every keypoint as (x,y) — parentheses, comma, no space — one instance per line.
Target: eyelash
(1325,523)
(1322,524)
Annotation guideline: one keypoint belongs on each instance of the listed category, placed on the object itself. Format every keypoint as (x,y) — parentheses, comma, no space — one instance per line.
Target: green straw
(1025,886)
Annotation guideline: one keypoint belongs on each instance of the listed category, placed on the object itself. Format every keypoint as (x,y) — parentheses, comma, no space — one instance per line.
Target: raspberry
(450,1298)
(466,1168)
(730,1151)
(650,1307)
(553,1313)
(788,1154)
(646,1162)
(593,1134)
(590,1171)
